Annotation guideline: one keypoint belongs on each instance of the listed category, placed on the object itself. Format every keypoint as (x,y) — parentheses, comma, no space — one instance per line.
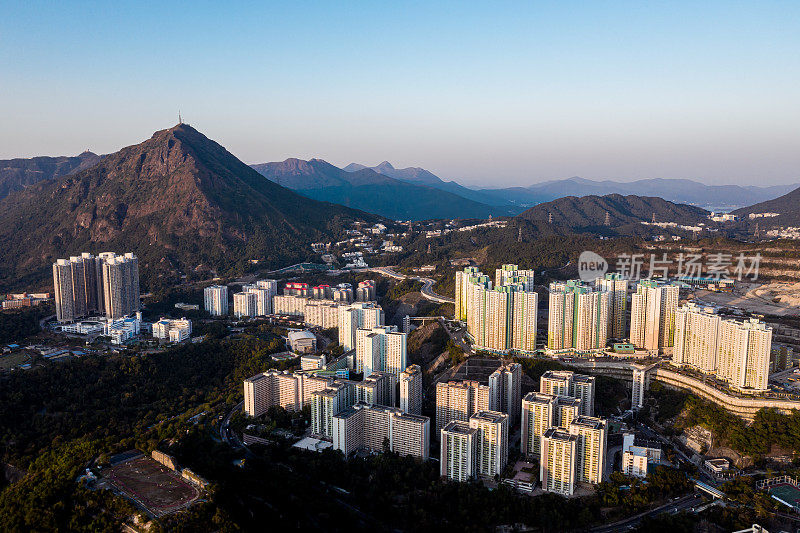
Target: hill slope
(371,191)
(625,213)
(16,174)
(178,200)
(788,207)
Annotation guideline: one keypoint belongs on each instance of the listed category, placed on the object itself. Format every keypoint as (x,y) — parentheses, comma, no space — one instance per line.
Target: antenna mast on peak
(180,120)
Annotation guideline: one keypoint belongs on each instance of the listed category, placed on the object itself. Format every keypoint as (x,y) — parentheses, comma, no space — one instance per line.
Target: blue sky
(489,94)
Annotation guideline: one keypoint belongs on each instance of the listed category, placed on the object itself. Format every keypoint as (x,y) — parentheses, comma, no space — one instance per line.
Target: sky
(486,93)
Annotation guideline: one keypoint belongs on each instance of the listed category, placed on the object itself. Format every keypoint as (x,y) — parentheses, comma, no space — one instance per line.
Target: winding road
(427,283)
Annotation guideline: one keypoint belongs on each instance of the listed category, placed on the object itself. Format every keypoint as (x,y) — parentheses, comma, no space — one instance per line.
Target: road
(225,433)
(427,283)
(681,504)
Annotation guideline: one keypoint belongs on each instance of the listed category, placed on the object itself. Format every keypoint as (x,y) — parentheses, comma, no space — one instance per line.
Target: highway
(427,283)
(685,503)
(225,434)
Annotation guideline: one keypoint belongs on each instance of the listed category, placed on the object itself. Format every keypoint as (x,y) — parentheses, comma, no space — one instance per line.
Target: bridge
(708,489)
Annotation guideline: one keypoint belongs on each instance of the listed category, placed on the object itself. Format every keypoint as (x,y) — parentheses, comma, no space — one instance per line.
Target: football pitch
(787,493)
(152,485)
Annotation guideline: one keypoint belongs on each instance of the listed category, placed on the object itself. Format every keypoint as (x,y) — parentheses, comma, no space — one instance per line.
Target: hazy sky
(488,94)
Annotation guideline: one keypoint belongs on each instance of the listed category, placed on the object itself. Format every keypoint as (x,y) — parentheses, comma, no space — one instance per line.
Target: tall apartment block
(736,352)
(590,449)
(492,442)
(577,317)
(570,384)
(360,315)
(567,409)
(265,290)
(505,386)
(215,300)
(325,404)
(288,390)
(557,469)
(458,451)
(538,415)
(87,285)
(375,426)
(381,348)
(502,318)
(411,390)
(653,309)
(365,292)
(245,304)
(459,400)
(617,287)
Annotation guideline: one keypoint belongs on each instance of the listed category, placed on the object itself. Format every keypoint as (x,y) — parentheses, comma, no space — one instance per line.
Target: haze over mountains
(366,189)
(787,207)
(178,199)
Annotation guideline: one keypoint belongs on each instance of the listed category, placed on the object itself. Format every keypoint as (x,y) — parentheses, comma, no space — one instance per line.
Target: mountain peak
(384,165)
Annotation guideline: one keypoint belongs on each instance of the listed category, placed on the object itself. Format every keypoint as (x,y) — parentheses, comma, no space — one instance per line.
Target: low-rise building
(302,341)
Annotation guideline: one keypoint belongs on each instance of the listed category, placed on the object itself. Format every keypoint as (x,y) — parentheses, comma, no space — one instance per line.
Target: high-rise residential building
(577,317)
(736,352)
(289,304)
(366,292)
(380,428)
(215,299)
(639,386)
(638,454)
(459,400)
(269,284)
(538,415)
(617,287)
(360,315)
(567,408)
(245,304)
(511,274)
(411,390)
(502,318)
(744,352)
(86,285)
(297,289)
(381,348)
(459,447)
(590,449)
(653,307)
(289,390)
(569,384)
(492,442)
(327,403)
(322,313)
(376,388)
(120,284)
(696,337)
(505,386)
(263,300)
(322,292)
(557,461)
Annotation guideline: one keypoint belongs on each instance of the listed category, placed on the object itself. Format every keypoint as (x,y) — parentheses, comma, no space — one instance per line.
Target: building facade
(411,390)
(215,300)
(578,317)
(653,309)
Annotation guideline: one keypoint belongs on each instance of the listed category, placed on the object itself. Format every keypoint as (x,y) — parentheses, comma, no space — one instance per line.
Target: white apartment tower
(653,309)
(458,451)
(577,317)
(120,284)
(374,426)
(538,415)
(617,287)
(569,384)
(411,390)
(215,300)
(505,386)
(590,448)
(696,337)
(557,461)
(492,442)
(360,315)
(245,304)
(381,348)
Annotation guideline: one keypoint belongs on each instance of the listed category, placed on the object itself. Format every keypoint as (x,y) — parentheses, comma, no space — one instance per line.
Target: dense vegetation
(16,324)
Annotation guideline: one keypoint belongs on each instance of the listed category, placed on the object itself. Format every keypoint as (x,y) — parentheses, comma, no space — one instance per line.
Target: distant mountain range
(369,190)
(179,200)
(16,174)
(714,197)
(787,207)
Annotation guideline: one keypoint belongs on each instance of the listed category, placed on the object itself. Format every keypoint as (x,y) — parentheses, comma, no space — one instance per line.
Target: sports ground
(786,493)
(150,484)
